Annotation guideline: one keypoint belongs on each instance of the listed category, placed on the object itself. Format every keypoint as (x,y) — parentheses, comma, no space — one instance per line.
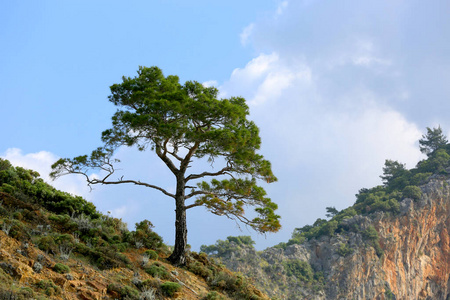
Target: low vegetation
(65,234)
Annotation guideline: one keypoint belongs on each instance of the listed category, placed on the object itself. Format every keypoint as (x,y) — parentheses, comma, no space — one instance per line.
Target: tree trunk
(178,256)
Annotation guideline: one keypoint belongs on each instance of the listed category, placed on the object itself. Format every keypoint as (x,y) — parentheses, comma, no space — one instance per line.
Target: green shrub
(152,254)
(213,296)
(158,271)
(344,249)
(122,247)
(413,192)
(61,219)
(22,293)
(222,281)
(170,288)
(328,228)
(145,235)
(47,244)
(18,216)
(200,269)
(5,164)
(61,268)
(113,287)
(371,233)
(128,292)
(49,288)
(6,188)
(300,269)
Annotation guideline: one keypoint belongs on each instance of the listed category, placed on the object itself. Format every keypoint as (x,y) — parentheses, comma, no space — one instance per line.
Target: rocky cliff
(383,255)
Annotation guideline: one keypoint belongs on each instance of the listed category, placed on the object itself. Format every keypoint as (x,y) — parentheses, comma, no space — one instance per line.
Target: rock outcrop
(382,256)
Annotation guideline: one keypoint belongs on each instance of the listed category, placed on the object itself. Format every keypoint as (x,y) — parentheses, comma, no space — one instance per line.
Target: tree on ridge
(182,124)
(432,140)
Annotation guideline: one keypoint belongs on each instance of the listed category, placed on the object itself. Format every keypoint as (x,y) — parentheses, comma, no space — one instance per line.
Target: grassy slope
(55,245)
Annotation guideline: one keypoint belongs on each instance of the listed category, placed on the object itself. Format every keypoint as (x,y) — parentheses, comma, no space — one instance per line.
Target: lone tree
(182,124)
(433,140)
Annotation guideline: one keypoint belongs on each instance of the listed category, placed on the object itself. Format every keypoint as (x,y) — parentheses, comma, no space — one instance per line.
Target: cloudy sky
(336,87)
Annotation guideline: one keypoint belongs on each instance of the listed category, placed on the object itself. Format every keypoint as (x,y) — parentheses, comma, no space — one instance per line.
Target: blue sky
(335,87)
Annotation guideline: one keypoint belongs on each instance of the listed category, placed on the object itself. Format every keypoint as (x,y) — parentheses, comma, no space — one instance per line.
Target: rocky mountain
(57,246)
(394,243)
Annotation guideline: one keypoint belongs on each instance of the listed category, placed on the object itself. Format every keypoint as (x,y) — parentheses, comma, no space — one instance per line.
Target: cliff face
(383,256)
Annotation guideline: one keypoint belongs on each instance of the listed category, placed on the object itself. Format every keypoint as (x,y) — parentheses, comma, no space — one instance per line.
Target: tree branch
(204,174)
(195,193)
(193,205)
(136,182)
(165,159)
(185,162)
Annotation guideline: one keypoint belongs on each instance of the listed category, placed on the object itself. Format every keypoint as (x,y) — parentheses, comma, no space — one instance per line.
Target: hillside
(393,243)
(57,246)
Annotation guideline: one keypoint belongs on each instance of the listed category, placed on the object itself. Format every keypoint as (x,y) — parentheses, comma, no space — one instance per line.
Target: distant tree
(182,124)
(433,140)
(331,212)
(412,191)
(436,163)
(392,169)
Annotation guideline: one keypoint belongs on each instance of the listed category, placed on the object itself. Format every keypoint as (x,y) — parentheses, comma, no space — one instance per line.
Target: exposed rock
(415,263)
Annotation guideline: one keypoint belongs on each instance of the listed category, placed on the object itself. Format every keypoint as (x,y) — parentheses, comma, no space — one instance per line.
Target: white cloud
(278,80)
(264,78)
(317,136)
(281,7)
(367,55)
(256,68)
(246,33)
(120,212)
(210,83)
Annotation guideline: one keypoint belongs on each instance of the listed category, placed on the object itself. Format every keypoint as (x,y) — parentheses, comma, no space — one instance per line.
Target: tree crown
(179,123)
(432,140)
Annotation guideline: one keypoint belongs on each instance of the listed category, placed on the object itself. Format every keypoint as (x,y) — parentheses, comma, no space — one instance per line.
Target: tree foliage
(432,140)
(331,211)
(182,124)
(223,248)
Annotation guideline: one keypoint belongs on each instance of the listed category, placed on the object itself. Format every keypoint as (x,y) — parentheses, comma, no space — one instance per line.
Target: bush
(151,254)
(344,250)
(300,269)
(200,269)
(170,288)
(22,293)
(50,289)
(413,192)
(158,271)
(61,268)
(144,235)
(129,293)
(372,235)
(213,296)
(47,244)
